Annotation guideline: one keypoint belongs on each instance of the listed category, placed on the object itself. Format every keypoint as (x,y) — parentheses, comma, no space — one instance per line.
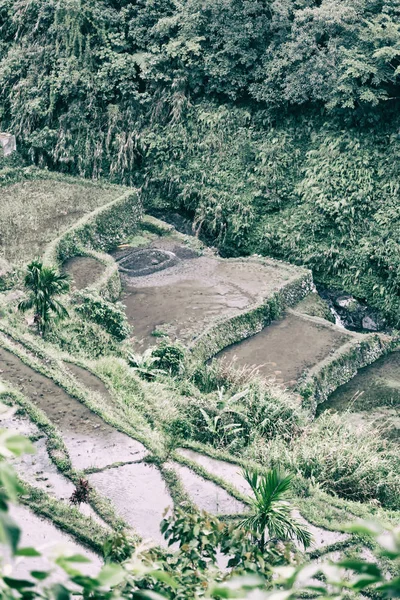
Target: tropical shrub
(170,357)
(271,519)
(146,364)
(110,316)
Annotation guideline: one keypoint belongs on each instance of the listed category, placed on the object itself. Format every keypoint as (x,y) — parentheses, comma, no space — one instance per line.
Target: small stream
(350,312)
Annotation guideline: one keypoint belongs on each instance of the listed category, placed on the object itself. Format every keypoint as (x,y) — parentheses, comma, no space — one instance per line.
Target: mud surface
(39,471)
(89,380)
(89,440)
(139,495)
(285,349)
(232,474)
(206,494)
(373,395)
(182,300)
(227,471)
(83,270)
(146,261)
(51,542)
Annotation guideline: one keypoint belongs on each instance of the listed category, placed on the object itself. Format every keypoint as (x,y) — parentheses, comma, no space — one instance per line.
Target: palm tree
(271,518)
(43,284)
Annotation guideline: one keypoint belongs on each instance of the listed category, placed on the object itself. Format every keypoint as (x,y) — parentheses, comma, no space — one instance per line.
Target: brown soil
(83,270)
(139,495)
(285,349)
(206,494)
(51,542)
(183,299)
(373,395)
(89,440)
(89,380)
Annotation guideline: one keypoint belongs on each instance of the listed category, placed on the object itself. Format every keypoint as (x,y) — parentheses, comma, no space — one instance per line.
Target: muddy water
(83,270)
(139,495)
(373,395)
(53,542)
(285,349)
(177,309)
(39,471)
(89,440)
(184,298)
(206,494)
(227,471)
(89,380)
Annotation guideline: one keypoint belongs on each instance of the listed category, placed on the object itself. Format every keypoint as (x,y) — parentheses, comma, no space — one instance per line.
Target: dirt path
(89,380)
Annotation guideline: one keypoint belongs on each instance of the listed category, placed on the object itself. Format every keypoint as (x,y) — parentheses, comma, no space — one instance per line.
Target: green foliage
(237,417)
(273,125)
(43,285)
(271,518)
(146,364)
(110,316)
(170,357)
(83,338)
(11,444)
(202,537)
(118,548)
(352,462)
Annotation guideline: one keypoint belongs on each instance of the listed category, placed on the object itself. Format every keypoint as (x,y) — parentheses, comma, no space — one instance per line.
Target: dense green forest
(273,124)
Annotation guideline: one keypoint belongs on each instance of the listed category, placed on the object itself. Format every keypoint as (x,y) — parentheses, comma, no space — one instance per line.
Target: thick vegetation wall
(272,123)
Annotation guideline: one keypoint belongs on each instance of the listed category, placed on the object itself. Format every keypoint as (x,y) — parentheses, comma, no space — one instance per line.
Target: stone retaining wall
(340,368)
(97,233)
(225,332)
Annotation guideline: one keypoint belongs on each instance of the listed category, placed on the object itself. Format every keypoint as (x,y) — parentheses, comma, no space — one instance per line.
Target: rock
(373,322)
(8,143)
(369,324)
(348,303)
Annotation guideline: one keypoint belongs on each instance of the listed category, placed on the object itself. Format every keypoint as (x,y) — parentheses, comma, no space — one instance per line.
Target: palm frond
(271,513)
(26,304)
(58,308)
